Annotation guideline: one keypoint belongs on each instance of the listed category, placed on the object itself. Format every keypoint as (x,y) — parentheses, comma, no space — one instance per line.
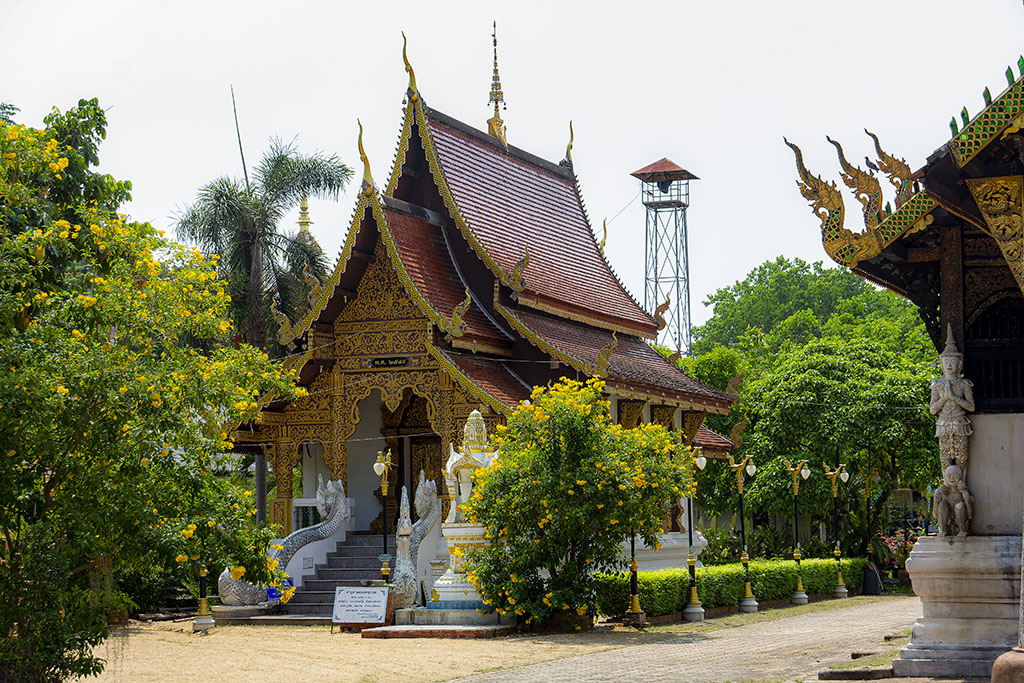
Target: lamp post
(744,468)
(839,473)
(380,468)
(693,610)
(204,618)
(634,616)
(869,478)
(800,470)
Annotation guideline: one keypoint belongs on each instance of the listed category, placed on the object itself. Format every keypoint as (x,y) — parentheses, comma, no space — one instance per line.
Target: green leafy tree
(240,222)
(568,489)
(110,427)
(771,293)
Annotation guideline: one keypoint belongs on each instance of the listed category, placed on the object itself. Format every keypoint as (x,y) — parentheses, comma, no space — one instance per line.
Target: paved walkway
(783,649)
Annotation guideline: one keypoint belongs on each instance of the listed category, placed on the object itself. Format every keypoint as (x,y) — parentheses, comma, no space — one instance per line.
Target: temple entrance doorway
(312,466)
(363,484)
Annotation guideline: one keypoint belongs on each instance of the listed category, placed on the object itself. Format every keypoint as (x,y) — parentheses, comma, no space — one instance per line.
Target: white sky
(712,85)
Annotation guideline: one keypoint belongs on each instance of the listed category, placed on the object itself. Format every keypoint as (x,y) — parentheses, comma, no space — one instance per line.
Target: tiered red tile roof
(426,258)
(633,361)
(512,200)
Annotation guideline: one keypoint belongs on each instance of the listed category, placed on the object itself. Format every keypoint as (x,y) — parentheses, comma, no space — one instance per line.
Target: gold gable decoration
(1000,202)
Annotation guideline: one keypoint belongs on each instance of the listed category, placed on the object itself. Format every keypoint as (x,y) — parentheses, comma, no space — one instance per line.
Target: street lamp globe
(845,476)
(805,472)
(751,469)
(378,468)
(701,461)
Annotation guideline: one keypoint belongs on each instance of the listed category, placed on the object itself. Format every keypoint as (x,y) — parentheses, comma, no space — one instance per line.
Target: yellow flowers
(61,390)
(211,523)
(278,547)
(182,558)
(86,300)
(237,572)
(188,531)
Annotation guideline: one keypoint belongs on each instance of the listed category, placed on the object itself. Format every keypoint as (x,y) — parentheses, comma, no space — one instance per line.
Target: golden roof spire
(495,125)
(304,221)
(367,186)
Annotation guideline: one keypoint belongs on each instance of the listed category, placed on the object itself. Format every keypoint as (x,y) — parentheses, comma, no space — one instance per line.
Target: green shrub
(667,590)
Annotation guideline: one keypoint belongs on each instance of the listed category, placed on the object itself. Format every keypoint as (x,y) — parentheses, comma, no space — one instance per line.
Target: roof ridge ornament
(865,186)
(605,356)
(495,126)
(567,161)
(659,313)
(367,186)
(412,93)
(458,323)
(516,280)
(897,170)
(604,236)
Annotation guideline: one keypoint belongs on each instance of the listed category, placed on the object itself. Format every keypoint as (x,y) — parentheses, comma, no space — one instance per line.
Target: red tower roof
(663,169)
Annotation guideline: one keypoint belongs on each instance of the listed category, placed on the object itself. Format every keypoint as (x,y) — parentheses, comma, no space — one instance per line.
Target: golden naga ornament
(605,356)
(897,170)
(458,324)
(864,185)
(844,246)
(367,186)
(659,314)
(412,93)
(516,280)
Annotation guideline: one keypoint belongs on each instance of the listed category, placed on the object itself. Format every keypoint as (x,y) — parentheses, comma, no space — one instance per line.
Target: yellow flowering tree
(567,490)
(118,384)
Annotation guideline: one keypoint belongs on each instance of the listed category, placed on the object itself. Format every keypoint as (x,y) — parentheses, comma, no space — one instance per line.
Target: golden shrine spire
(304,221)
(495,126)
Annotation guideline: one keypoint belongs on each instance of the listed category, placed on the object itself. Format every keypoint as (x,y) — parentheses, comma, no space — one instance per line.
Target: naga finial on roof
(843,246)
(896,169)
(659,313)
(568,148)
(412,92)
(864,185)
(604,236)
(605,356)
(516,279)
(367,186)
(458,322)
(495,126)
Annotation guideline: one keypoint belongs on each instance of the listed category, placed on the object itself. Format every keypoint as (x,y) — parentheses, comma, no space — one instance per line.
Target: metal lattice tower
(665,187)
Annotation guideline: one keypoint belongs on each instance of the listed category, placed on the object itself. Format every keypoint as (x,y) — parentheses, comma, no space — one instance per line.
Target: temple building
(472,276)
(952,243)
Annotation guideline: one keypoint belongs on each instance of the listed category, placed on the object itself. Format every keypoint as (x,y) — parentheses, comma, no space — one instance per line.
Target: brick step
(313,609)
(363,540)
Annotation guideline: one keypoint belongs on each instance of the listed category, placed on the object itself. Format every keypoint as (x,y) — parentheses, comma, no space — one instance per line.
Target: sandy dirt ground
(156,652)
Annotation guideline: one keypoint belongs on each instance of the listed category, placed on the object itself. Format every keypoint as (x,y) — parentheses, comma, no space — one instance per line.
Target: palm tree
(239,223)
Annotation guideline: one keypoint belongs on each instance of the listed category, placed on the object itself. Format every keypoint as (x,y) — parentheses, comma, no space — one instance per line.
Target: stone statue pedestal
(970,589)
(452,589)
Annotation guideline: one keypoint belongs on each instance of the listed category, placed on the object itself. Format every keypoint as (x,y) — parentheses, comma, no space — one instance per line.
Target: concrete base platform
(428,631)
(418,616)
(970,591)
(277,620)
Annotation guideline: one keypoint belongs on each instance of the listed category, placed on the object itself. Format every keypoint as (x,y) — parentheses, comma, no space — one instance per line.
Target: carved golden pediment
(1000,203)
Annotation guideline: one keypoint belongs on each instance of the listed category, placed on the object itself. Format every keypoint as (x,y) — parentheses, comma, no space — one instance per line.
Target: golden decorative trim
(495,126)
(692,420)
(568,148)
(996,117)
(465,382)
(541,343)
(318,305)
(865,186)
(477,346)
(1001,202)
(630,413)
(605,356)
(534,302)
(618,389)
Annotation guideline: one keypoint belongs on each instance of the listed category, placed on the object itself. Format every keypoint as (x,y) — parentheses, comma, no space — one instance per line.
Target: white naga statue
(409,537)
(952,399)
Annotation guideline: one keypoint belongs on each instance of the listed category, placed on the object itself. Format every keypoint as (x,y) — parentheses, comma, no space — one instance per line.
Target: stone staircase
(354,561)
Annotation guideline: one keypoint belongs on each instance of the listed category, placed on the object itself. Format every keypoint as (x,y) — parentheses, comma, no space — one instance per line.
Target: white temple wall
(313,464)
(995,473)
(362,453)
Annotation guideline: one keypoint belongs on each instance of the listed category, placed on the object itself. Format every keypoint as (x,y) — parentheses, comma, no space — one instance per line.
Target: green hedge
(667,590)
